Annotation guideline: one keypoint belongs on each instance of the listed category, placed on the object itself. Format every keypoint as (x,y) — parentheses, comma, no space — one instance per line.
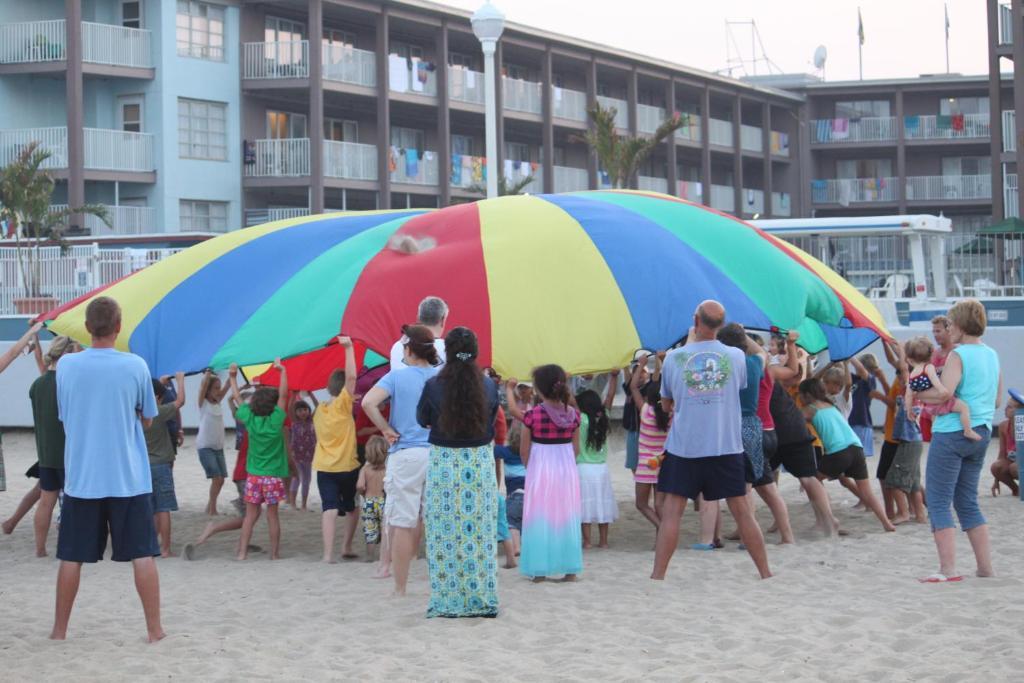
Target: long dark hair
(597,418)
(815,390)
(463,404)
(551,382)
(420,341)
(652,396)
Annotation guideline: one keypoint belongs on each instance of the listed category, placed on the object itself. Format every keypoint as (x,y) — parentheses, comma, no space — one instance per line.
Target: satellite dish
(820,55)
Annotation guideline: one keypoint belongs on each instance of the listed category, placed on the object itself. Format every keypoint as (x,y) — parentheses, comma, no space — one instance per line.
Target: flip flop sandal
(702,546)
(940,578)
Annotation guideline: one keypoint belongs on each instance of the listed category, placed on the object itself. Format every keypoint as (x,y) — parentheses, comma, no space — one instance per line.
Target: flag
(946,8)
(860,27)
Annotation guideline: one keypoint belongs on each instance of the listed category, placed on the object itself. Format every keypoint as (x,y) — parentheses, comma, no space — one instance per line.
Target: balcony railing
(690,132)
(568,179)
(1010,130)
(347,64)
(520,95)
(953,127)
(867,129)
(720,133)
(124,220)
(1005,25)
(32,41)
(652,184)
(280,59)
(415,76)
(779,144)
(1011,207)
(781,205)
(844,191)
(53,140)
(518,171)
(648,118)
(753,201)
(723,197)
(282,158)
(949,187)
(568,104)
(751,138)
(118,150)
(465,85)
(691,190)
(415,169)
(621,110)
(350,160)
(116,45)
(260,216)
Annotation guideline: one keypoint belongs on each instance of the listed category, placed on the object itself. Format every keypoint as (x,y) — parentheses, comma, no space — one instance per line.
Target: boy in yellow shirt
(335,461)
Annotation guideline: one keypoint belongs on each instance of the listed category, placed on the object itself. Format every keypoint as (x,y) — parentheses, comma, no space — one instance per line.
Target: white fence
(520,95)
(350,160)
(260,216)
(648,118)
(280,59)
(723,197)
(465,85)
(116,45)
(54,140)
(781,204)
(286,157)
(118,150)
(867,129)
(949,187)
(955,127)
(720,132)
(568,104)
(652,184)
(751,138)
(1011,206)
(32,41)
(621,110)
(753,201)
(347,64)
(123,220)
(568,179)
(845,191)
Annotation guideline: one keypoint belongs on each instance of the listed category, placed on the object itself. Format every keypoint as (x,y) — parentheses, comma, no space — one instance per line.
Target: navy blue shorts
(51,478)
(85,524)
(717,477)
(338,490)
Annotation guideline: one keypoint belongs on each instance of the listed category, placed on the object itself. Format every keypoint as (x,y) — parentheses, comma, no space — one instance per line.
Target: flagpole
(946,8)
(860,44)
(860,60)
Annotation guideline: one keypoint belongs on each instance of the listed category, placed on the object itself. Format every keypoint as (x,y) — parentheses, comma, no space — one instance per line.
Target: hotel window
(407,138)
(460,59)
(856,109)
(200,30)
(341,130)
(963,105)
(516,71)
(462,144)
(864,168)
(131,14)
(202,216)
(283,125)
(202,130)
(517,151)
(960,166)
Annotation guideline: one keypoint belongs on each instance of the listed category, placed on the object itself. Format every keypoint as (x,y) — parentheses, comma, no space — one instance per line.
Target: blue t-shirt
(100,394)
(860,401)
(405,386)
(749,395)
(704,380)
(515,470)
(978,387)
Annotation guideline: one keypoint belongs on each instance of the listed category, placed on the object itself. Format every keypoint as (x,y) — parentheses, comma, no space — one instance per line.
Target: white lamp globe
(488,23)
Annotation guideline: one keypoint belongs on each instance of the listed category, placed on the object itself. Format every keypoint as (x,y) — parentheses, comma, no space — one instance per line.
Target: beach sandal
(702,546)
(940,578)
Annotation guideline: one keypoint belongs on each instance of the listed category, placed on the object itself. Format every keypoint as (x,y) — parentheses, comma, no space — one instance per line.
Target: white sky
(902,37)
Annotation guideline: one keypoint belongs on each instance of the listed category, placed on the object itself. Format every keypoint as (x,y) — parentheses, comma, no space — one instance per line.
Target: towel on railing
(470,79)
(456,169)
(943,122)
(398,73)
(824,130)
(957,122)
(478,169)
(911,124)
(819,184)
(508,169)
(393,159)
(412,163)
(840,129)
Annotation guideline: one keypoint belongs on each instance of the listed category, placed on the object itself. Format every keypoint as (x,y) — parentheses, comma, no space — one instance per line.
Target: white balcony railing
(32,41)
(568,179)
(1011,207)
(1010,130)
(280,59)
(116,45)
(347,64)
(690,132)
(720,133)
(621,110)
(845,191)
(648,118)
(260,216)
(118,150)
(753,201)
(946,127)
(54,140)
(652,184)
(124,220)
(518,171)
(751,138)
(781,205)
(1005,25)
(568,104)
(350,160)
(949,187)
(415,169)
(867,129)
(415,76)
(520,95)
(723,197)
(691,190)
(465,85)
(286,157)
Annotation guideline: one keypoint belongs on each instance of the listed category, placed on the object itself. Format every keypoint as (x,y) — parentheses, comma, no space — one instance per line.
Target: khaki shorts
(404,484)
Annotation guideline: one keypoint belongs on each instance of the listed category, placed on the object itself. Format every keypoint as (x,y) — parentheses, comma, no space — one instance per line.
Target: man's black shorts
(797,458)
(85,524)
(717,477)
(51,478)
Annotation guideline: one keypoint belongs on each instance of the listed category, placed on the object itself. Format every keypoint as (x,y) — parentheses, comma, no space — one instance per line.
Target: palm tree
(506,188)
(26,190)
(621,155)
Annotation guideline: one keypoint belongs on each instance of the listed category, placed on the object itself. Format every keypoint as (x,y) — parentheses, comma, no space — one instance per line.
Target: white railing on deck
(347,64)
(652,184)
(949,187)
(287,157)
(648,118)
(952,127)
(751,138)
(568,104)
(753,201)
(116,45)
(350,160)
(32,41)
(123,220)
(690,131)
(465,85)
(621,110)
(280,59)
(568,179)
(260,216)
(1010,130)
(416,76)
(118,150)
(781,205)
(53,140)
(1005,25)
(423,172)
(691,190)
(1011,207)
(866,129)
(846,191)
(720,132)
(723,197)
(520,95)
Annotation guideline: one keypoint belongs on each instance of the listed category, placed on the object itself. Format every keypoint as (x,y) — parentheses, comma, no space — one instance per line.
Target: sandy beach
(837,609)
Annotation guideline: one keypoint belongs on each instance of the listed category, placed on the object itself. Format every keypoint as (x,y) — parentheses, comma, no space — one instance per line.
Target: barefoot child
(1006,468)
(596,492)
(925,388)
(210,437)
(335,461)
(302,440)
(514,474)
(371,487)
(654,424)
(267,458)
(161,459)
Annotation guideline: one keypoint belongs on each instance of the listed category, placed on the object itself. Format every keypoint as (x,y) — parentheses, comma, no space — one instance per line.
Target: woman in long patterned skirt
(459,406)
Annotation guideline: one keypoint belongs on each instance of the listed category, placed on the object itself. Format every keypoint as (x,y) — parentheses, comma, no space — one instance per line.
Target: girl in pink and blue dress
(552,536)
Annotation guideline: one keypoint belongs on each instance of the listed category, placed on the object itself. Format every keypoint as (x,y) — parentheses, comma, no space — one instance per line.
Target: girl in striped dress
(654,424)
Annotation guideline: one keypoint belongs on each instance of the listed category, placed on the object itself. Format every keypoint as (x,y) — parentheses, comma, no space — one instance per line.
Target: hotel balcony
(723,198)
(275,60)
(621,110)
(350,160)
(124,220)
(568,179)
(779,144)
(467,172)
(652,184)
(720,133)
(691,190)
(260,216)
(753,201)
(751,139)
(867,129)
(648,118)
(845,191)
(781,204)
(522,96)
(950,188)
(1010,131)
(105,150)
(465,85)
(1011,207)
(956,127)
(281,158)
(345,64)
(570,105)
(42,46)
(690,132)
(421,170)
(415,76)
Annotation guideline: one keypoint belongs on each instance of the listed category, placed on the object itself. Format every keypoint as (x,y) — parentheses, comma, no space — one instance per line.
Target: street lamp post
(488,24)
